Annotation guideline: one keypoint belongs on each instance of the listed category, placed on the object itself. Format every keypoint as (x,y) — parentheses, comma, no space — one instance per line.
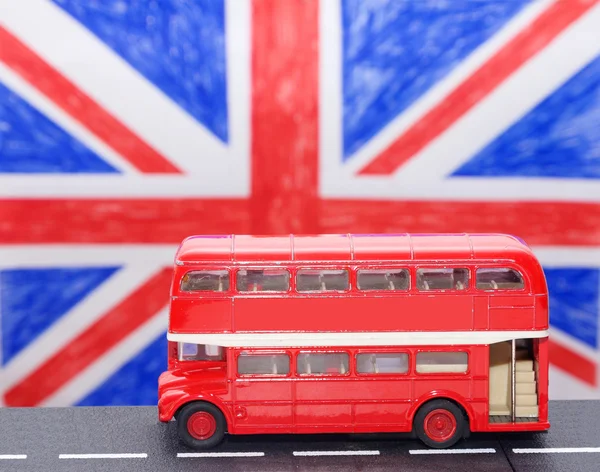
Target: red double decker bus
(439,334)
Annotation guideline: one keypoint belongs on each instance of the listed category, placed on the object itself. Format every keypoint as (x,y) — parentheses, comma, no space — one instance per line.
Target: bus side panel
(479,419)
(445,312)
(479,365)
(380,403)
(502,318)
(263,403)
(481,319)
(433,383)
(541,312)
(206,315)
(322,403)
(542,367)
(512,312)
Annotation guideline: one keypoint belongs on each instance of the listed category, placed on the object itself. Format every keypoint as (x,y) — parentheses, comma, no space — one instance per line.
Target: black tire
(209,422)
(440,424)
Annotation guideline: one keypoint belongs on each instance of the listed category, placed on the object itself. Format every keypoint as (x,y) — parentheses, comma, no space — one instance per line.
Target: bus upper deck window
(442,279)
(383,279)
(499,279)
(263,280)
(205,280)
(322,280)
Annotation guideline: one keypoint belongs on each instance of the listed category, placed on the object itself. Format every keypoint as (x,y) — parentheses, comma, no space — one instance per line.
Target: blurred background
(126,126)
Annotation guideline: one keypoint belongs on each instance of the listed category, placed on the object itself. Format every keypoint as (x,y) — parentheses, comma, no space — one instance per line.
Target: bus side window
(322,280)
(442,362)
(382,363)
(263,280)
(383,279)
(200,352)
(263,364)
(491,278)
(311,363)
(205,280)
(442,279)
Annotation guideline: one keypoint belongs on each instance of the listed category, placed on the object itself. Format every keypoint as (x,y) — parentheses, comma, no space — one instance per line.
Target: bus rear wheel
(439,424)
(200,425)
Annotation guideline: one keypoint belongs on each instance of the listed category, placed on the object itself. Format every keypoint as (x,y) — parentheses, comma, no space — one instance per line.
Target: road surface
(132,439)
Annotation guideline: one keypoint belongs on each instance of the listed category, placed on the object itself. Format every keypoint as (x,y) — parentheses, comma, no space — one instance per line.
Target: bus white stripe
(313,339)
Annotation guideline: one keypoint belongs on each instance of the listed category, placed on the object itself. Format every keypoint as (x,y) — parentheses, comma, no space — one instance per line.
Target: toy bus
(435,334)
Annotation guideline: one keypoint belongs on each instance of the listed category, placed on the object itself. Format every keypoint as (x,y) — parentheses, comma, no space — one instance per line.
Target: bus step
(524,365)
(529,411)
(524,388)
(527,400)
(525,376)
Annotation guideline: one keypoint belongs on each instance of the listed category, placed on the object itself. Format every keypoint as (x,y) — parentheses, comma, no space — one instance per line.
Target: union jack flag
(125,127)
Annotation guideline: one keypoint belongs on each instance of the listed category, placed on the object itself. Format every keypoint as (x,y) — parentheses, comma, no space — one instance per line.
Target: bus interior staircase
(526,397)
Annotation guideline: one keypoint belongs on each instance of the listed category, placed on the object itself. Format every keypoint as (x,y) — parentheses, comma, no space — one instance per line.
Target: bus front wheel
(439,424)
(201,425)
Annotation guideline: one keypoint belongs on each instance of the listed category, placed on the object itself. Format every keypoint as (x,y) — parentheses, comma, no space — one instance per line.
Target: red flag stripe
(169,221)
(41,75)
(285,117)
(519,50)
(119,220)
(95,341)
(539,223)
(573,363)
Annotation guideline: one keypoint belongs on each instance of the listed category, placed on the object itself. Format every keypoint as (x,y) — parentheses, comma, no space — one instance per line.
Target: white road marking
(220,454)
(453,451)
(12,456)
(555,450)
(103,456)
(336,453)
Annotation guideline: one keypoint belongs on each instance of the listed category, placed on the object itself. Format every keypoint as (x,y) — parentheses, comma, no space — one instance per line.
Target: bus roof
(353,247)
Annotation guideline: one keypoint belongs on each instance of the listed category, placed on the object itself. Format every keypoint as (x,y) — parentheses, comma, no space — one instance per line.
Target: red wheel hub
(201,425)
(440,425)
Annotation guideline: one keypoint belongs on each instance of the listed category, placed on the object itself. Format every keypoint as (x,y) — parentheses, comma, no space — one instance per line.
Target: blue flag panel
(136,383)
(394,51)
(33,299)
(574,302)
(558,138)
(31,143)
(178,46)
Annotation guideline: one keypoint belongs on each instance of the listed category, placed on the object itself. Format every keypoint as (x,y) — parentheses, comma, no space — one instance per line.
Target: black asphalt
(44,433)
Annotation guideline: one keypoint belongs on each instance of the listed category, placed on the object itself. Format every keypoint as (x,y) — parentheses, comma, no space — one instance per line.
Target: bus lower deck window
(492,278)
(442,362)
(383,279)
(263,364)
(205,280)
(322,280)
(435,278)
(382,363)
(309,363)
